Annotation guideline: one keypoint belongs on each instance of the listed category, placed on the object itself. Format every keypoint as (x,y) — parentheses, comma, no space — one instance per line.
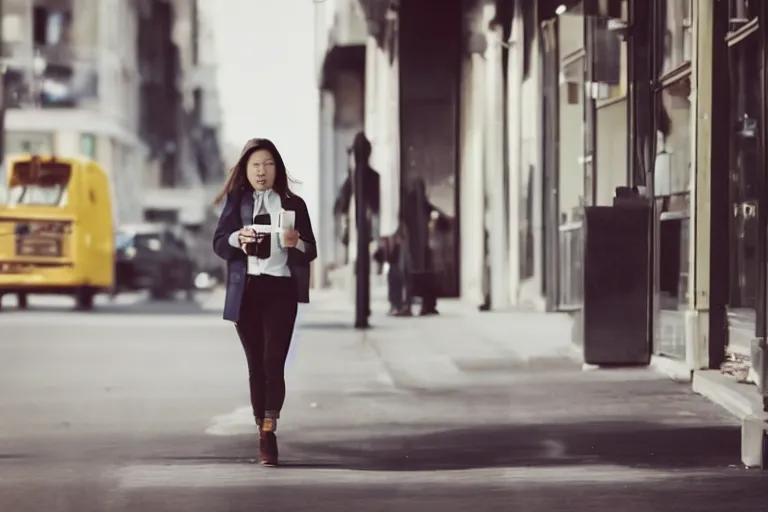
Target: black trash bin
(614,324)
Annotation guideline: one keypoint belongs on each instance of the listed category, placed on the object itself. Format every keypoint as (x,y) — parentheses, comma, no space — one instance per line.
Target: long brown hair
(238,178)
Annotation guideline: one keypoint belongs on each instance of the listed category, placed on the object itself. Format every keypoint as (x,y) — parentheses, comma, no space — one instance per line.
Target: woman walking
(268,250)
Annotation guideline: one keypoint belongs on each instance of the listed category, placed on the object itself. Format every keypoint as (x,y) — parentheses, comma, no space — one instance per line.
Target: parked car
(153,257)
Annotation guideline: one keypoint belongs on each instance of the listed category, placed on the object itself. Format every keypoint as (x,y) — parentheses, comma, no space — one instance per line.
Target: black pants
(267,318)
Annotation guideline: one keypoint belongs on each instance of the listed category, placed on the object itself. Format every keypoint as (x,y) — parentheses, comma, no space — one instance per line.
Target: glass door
(672,168)
(746,186)
(571,164)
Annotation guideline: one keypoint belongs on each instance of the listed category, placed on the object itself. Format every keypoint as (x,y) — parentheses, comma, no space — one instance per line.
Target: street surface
(143,406)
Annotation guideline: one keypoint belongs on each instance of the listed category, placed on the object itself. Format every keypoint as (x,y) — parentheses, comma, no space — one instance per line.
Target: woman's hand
(246,236)
(290,237)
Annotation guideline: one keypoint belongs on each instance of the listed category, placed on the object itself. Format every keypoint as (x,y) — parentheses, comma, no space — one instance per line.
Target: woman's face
(261,169)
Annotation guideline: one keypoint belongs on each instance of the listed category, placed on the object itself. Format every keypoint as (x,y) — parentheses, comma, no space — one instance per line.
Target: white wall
(611,150)
(382,129)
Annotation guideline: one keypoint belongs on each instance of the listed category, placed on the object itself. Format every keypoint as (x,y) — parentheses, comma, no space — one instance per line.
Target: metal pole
(362,262)
(2,97)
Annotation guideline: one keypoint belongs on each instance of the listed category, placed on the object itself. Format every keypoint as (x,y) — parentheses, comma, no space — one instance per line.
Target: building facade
(117,81)
(182,115)
(522,117)
(72,86)
(340,44)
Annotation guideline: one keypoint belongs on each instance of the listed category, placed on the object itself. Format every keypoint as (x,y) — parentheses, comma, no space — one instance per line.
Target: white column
(513,113)
(472,180)
(494,155)
(392,102)
(538,175)
(697,316)
(327,187)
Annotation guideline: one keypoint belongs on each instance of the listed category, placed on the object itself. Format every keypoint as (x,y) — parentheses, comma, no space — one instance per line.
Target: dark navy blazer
(237,213)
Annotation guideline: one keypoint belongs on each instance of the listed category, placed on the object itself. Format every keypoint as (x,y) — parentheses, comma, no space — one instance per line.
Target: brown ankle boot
(268,443)
(268,448)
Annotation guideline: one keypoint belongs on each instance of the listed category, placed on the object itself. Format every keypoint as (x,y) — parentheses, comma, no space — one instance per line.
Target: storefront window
(572,163)
(741,12)
(88,145)
(609,53)
(609,89)
(676,33)
(571,182)
(571,31)
(745,99)
(672,172)
(672,175)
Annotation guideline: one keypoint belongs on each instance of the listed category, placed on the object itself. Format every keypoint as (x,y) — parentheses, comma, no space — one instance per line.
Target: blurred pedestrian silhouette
(419,221)
(391,253)
(360,155)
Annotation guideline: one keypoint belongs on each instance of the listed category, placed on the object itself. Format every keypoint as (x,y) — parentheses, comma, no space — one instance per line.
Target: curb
(744,403)
(727,393)
(676,370)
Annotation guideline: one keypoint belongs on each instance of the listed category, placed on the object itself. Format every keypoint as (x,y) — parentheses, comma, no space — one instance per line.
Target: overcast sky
(267,79)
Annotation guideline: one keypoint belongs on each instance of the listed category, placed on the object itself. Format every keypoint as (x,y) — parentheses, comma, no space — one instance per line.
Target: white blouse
(277,263)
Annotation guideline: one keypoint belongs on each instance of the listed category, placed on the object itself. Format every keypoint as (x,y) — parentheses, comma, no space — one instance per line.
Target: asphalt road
(142,406)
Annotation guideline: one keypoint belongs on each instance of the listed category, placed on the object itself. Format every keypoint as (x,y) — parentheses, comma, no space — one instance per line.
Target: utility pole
(2,95)
(362,262)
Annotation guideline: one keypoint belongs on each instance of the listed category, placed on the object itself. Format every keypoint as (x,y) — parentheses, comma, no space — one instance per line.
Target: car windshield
(151,241)
(123,240)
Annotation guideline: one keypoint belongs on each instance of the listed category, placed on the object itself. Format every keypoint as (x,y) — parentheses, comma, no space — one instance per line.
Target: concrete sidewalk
(146,407)
(517,372)
(464,349)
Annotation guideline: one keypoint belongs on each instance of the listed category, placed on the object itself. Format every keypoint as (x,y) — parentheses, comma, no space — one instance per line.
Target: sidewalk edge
(742,402)
(676,370)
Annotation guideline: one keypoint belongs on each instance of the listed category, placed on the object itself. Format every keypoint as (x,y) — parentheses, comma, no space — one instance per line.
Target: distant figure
(417,219)
(268,275)
(361,151)
(391,252)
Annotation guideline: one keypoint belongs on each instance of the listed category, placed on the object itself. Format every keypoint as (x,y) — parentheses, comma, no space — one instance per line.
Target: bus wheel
(84,300)
(22,301)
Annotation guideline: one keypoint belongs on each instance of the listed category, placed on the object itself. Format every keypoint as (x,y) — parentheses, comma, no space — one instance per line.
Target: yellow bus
(56,229)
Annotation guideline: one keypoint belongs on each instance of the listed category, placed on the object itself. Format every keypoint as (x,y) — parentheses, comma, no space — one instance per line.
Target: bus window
(44,184)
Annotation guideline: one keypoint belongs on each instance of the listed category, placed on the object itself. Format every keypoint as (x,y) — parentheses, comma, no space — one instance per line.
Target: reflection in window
(677,34)
(610,55)
(571,31)
(744,172)
(611,150)
(38,195)
(672,171)
(741,12)
(571,173)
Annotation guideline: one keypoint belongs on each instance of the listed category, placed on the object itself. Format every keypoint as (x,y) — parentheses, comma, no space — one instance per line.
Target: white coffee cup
(286,221)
